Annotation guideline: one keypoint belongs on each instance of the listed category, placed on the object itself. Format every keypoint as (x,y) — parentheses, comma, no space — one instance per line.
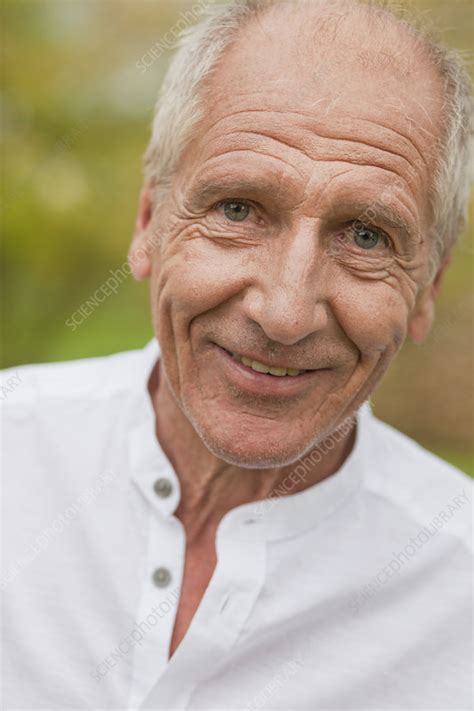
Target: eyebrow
(207,190)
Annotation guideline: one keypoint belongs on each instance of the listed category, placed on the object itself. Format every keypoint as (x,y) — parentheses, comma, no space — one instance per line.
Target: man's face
(294,237)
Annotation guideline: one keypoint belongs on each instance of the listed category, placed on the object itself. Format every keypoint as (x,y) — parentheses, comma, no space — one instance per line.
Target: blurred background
(80,79)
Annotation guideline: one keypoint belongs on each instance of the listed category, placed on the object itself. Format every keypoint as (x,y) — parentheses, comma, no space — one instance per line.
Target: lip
(262,383)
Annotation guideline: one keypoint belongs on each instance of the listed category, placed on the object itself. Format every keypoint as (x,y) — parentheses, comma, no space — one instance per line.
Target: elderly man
(219,521)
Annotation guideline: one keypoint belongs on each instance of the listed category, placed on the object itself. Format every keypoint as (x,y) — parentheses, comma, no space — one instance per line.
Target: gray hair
(181,105)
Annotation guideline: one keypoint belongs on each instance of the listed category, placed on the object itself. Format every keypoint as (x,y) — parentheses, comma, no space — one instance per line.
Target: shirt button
(161,577)
(163,488)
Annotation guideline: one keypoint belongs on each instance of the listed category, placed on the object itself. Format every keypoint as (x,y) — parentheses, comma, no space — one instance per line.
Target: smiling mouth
(266,369)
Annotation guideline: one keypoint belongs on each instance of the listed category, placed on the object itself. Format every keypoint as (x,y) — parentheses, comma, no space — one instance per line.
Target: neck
(210,487)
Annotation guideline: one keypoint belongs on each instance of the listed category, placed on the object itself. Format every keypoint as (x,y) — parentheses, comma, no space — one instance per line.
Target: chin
(251,450)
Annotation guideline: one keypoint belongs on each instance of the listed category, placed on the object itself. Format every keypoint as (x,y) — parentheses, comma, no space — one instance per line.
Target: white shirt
(352,594)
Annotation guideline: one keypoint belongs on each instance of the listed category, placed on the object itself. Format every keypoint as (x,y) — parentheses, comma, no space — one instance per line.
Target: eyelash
(386,239)
(242,201)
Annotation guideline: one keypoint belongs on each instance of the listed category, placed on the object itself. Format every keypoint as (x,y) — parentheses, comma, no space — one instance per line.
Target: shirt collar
(287,514)
(281,516)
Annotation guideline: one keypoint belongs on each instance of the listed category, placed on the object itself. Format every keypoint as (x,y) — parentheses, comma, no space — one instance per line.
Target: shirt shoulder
(422,486)
(85,379)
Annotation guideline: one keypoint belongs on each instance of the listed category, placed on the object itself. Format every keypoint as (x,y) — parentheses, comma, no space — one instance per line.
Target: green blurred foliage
(76,113)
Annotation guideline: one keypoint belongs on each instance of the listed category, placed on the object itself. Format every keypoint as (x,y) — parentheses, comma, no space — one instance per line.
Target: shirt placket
(158,605)
(162,573)
(219,620)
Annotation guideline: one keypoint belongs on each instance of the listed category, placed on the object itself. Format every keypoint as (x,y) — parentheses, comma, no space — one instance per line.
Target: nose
(289,300)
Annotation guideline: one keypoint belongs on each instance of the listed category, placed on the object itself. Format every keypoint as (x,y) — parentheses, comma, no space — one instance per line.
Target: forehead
(326,73)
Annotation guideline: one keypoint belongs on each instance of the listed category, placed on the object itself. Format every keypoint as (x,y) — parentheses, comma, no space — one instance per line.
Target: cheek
(373,315)
(196,276)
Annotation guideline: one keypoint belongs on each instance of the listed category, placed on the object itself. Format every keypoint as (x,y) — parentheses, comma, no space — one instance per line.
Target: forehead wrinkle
(384,146)
(322,159)
(398,105)
(344,157)
(253,150)
(319,159)
(403,136)
(233,114)
(208,166)
(322,132)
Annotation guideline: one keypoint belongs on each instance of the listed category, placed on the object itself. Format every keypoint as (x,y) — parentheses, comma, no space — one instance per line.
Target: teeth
(278,371)
(269,369)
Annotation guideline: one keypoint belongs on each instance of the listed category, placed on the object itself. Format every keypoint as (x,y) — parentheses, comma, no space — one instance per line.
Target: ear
(139,255)
(422,317)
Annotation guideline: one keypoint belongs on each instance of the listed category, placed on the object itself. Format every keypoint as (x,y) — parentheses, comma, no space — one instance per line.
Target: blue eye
(236,210)
(365,237)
